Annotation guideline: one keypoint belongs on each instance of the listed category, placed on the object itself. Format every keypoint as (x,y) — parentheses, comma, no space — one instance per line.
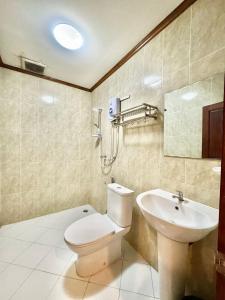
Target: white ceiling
(110,29)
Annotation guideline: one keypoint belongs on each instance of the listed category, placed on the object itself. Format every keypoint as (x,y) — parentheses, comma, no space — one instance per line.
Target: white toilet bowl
(97,238)
(97,241)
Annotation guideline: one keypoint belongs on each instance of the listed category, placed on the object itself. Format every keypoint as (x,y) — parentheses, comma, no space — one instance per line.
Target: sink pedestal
(172,264)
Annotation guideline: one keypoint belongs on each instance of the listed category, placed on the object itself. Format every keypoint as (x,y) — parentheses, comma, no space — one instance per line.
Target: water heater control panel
(114,107)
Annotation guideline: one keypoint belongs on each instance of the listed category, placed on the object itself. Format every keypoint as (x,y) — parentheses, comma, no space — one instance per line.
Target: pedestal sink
(177,225)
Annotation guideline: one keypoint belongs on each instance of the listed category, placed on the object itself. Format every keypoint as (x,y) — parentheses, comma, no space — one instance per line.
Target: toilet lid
(88,230)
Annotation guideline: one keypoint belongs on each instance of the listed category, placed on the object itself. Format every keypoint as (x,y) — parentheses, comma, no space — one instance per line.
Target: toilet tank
(120,204)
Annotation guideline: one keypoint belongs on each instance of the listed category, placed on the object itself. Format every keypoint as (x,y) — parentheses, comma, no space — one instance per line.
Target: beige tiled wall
(45,146)
(188,50)
(49,161)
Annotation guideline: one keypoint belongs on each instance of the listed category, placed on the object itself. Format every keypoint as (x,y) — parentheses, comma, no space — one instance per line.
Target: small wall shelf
(137,113)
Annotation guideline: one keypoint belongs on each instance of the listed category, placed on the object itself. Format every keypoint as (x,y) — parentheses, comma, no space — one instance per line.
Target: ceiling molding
(17,69)
(169,19)
(153,33)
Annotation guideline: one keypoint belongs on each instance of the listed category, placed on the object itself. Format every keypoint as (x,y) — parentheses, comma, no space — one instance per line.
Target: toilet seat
(89,230)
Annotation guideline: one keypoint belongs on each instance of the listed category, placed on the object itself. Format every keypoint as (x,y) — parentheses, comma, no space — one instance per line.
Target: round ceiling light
(67,36)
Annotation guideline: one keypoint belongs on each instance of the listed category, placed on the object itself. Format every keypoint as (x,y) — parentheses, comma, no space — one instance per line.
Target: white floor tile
(48,221)
(37,287)
(32,233)
(53,237)
(137,278)
(3,266)
(155,280)
(110,276)
(32,256)
(60,221)
(57,221)
(11,248)
(56,261)
(63,219)
(100,292)
(55,277)
(28,222)
(11,279)
(13,230)
(67,288)
(67,217)
(124,295)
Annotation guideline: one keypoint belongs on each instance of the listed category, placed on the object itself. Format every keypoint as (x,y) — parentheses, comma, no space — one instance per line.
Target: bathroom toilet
(97,238)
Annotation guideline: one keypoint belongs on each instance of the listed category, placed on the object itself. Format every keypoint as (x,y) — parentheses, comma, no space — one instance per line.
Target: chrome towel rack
(137,113)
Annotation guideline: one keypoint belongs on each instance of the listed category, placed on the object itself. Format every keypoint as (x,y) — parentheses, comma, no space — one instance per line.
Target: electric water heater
(114,107)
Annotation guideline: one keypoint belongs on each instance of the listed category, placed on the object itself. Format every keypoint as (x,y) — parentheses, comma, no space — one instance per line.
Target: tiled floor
(36,264)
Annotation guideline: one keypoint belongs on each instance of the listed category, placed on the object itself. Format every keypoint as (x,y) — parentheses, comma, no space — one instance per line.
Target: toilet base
(94,262)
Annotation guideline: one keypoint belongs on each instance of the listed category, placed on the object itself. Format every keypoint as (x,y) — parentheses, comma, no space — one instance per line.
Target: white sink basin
(186,222)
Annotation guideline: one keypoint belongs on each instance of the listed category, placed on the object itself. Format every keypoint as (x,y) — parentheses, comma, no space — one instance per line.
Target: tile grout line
(139,294)
(35,242)
(37,133)
(43,257)
(22,252)
(31,271)
(20,150)
(152,281)
(47,296)
(43,271)
(105,285)
(28,247)
(207,55)
(189,54)
(122,270)
(123,256)
(85,290)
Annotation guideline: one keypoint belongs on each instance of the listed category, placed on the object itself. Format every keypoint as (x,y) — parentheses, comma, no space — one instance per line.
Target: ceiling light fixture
(67,36)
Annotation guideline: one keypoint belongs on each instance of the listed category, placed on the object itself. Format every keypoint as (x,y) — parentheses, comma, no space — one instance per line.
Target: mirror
(193,119)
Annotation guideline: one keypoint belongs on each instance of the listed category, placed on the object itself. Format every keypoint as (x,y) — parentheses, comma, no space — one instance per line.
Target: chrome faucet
(180,196)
